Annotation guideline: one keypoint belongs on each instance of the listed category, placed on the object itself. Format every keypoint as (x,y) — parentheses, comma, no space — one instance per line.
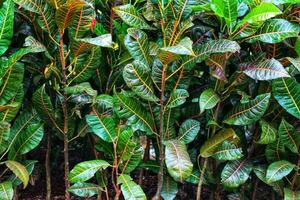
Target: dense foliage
(199,92)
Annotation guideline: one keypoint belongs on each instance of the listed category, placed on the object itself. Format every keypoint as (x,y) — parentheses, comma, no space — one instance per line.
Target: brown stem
(115,173)
(295,175)
(160,176)
(254,190)
(65,112)
(145,158)
(47,166)
(199,188)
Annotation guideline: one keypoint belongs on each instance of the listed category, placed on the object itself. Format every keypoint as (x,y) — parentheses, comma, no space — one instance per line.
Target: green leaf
(210,146)
(138,117)
(288,136)
(66,13)
(228,151)
(286,92)
(84,189)
(43,106)
(169,189)
(266,70)
(208,100)
(101,41)
(275,31)
(188,130)
(278,2)
(214,46)
(178,160)
(236,173)
(250,112)
(6,25)
(19,170)
(86,170)
(6,190)
(130,16)
(184,47)
(268,133)
(230,13)
(103,127)
(137,77)
(136,42)
(130,189)
(134,160)
(125,145)
(177,98)
(4,135)
(260,13)
(279,169)
(28,140)
(291,195)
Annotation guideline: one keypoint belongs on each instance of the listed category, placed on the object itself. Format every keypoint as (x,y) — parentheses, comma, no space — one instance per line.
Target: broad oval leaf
(188,130)
(84,189)
(286,92)
(130,16)
(288,136)
(104,127)
(28,140)
(137,77)
(184,47)
(236,173)
(6,190)
(19,170)
(277,170)
(208,99)
(101,41)
(210,145)
(6,25)
(268,133)
(275,31)
(178,160)
(169,189)
(266,70)
(136,42)
(228,151)
(260,13)
(86,170)
(130,189)
(177,98)
(250,112)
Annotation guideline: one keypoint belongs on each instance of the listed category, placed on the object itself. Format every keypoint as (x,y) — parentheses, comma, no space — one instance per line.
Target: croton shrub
(202,93)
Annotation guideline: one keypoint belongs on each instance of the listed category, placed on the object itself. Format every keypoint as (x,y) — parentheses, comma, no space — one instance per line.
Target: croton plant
(203,93)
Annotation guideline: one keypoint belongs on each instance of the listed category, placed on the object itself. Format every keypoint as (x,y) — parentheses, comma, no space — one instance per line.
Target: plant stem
(199,188)
(47,166)
(160,176)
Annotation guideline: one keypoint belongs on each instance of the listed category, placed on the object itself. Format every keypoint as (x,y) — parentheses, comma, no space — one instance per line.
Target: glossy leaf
(288,136)
(177,98)
(236,173)
(275,31)
(228,151)
(265,70)
(286,92)
(137,77)
(104,127)
(130,16)
(84,189)
(86,170)
(268,133)
(169,189)
(177,160)
(184,47)
(19,170)
(210,146)
(130,189)
(6,190)
(6,25)
(291,195)
(188,130)
(101,41)
(250,112)
(279,169)
(136,42)
(208,100)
